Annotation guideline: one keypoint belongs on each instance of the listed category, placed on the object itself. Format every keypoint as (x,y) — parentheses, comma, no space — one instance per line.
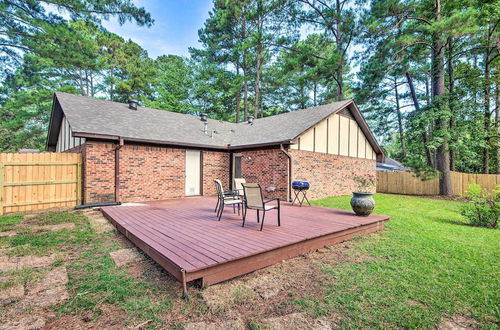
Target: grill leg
(296,198)
(305,196)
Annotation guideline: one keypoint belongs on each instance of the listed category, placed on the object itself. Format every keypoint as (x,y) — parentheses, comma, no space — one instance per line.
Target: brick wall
(98,172)
(215,166)
(329,175)
(146,172)
(269,168)
(151,173)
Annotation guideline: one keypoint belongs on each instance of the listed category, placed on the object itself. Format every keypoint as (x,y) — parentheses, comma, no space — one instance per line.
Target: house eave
(93,136)
(258,145)
(104,137)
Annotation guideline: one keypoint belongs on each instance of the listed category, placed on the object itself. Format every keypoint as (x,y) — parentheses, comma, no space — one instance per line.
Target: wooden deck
(186,239)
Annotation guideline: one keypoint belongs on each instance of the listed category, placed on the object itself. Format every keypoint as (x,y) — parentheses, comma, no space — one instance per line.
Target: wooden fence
(31,181)
(407,183)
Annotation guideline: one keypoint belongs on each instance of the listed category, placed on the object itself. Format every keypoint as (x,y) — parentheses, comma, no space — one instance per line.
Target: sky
(175,28)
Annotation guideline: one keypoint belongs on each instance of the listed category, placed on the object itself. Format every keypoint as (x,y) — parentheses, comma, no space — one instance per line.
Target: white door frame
(193,173)
(233,167)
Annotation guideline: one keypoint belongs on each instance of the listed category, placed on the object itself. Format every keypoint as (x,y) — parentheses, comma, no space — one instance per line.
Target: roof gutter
(288,191)
(180,144)
(118,147)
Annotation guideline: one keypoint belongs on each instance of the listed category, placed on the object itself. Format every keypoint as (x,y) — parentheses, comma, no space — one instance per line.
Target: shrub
(483,209)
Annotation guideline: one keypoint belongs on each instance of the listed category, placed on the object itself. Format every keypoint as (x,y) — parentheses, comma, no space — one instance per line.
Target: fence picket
(39,181)
(407,183)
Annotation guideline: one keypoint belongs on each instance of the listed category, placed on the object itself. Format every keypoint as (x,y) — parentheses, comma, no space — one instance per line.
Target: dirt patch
(54,278)
(125,256)
(272,291)
(6,264)
(29,217)
(34,261)
(24,322)
(110,318)
(61,226)
(9,233)
(458,322)
(99,223)
(11,295)
(297,321)
(230,324)
(52,296)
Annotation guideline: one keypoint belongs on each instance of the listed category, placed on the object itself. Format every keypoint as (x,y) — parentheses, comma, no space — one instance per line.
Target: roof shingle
(98,117)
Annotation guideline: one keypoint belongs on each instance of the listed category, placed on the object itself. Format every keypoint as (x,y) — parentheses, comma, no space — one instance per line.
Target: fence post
(1,188)
(79,181)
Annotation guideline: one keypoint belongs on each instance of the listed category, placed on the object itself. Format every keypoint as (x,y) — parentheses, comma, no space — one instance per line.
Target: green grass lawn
(427,265)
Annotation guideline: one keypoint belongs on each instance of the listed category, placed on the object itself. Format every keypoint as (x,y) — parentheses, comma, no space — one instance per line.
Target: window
(237,166)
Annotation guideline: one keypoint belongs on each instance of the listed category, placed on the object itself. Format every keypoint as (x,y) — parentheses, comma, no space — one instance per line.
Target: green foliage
(271,56)
(483,209)
(173,83)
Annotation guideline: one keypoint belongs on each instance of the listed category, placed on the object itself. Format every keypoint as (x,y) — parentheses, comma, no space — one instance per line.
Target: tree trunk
(497,129)
(427,92)
(80,75)
(87,83)
(487,114)
(238,96)
(258,62)
(400,119)
(245,71)
(92,88)
(416,104)
(338,42)
(438,90)
(257,83)
(315,94)
(451,91)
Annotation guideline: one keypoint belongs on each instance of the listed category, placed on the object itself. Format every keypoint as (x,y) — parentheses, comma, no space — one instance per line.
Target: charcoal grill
(300,190)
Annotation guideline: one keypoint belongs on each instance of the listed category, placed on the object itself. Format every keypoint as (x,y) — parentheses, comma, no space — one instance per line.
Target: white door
(193,172)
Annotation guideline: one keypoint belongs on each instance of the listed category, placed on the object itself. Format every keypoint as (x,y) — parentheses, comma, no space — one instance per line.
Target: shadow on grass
(455,222)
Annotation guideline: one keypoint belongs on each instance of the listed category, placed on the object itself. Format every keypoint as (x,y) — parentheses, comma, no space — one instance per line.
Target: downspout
(289,192)
(117,169)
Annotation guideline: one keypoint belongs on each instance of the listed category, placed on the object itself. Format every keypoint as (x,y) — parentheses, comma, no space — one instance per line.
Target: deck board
(184,235)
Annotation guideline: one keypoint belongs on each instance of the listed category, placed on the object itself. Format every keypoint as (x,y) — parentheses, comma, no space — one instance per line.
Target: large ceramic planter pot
(362,203)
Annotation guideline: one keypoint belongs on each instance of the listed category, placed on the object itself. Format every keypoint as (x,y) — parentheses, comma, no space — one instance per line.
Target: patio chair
(228,194)
(233,200)
(254,201)
(238,185)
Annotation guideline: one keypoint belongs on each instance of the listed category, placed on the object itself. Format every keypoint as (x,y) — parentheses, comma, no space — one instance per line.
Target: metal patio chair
(253,200)
(227,194)
(234,200)
(238,185)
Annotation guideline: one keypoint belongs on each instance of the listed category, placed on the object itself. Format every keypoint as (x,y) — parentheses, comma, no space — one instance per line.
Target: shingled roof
(93,118)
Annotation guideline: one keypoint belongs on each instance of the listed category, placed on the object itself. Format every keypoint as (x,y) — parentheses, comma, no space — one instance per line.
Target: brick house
(133,153)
